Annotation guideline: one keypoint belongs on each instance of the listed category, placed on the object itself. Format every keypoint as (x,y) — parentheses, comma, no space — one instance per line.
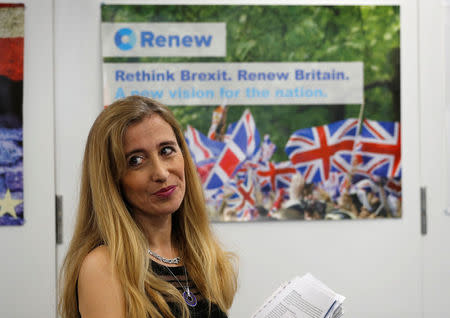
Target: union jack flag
(267,149)
(201,147)
(229,131)
(394,187)
(317,151)
(380,150)
(273,176)
(373,183)
(367,184)
(243,200)
(279,198)
(243,144)
(337,184)
(204,168)
(214,198)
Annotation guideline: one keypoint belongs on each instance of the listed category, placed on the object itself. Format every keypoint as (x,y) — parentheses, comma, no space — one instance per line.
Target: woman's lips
(165,192)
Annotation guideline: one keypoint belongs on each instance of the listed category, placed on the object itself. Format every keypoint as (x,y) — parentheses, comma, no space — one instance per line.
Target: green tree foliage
(370,34)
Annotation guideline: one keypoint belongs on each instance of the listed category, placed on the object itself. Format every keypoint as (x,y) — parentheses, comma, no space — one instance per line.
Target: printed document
(302,297)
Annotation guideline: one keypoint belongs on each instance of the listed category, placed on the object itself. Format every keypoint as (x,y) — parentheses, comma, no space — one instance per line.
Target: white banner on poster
(237,83)
(164,39)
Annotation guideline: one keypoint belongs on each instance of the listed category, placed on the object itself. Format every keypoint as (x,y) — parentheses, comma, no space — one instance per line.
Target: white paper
(302,297)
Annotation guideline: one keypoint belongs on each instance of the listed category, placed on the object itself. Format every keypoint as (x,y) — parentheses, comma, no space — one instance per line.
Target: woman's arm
(100,293)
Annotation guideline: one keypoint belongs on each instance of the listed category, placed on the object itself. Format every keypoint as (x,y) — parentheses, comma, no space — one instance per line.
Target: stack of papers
(302,297)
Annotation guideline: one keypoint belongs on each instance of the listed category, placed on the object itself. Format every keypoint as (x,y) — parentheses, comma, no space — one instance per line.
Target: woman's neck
(159,235)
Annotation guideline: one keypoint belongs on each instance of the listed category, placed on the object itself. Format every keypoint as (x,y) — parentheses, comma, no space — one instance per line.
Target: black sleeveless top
(201,310)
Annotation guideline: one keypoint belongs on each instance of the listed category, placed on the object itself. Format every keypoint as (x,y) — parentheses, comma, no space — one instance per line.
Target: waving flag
(368,185)
(243,200)
(267,149)
(317,151)
(204,168)
(337,184)
(242,145)
(229,131)
(214,198)
(273,176)
(279,198)
(380,150)
(217,117)
(393,187)
(201,147)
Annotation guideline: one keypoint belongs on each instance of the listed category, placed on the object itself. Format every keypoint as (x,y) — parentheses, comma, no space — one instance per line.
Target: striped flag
(243,199)
(337,184)
(11,64)
(275,175)
(380,149)
(267,149)
(242,145)
(317,151)
(201,147)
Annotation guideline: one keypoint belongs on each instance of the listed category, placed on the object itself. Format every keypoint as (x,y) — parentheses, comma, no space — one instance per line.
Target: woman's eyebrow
(168,143)
(133,152)
(161,144)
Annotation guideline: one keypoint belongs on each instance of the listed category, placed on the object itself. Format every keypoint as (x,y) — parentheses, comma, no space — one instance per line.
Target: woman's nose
(159,171)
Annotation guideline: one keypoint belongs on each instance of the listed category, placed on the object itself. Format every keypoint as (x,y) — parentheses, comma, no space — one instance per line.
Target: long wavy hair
(104,219)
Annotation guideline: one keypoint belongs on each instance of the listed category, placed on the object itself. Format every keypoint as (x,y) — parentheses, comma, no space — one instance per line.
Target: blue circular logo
(125,39)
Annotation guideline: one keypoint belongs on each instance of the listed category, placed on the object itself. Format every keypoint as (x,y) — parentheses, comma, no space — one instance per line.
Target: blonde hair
(103,218)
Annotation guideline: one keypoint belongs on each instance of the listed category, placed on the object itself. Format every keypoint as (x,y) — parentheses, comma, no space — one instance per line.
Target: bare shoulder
(100,293)
(97,260)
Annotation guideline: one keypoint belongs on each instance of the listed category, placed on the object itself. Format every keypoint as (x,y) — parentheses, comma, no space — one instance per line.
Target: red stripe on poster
(11,58)
(11,5)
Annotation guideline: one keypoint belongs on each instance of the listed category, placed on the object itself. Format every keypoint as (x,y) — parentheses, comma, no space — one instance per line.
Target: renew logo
(125,39)
(164,39)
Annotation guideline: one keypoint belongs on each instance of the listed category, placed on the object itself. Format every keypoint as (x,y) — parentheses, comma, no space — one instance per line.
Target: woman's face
(154,183)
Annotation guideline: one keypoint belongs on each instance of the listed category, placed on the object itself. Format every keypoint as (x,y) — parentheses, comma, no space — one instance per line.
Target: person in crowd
(142,244)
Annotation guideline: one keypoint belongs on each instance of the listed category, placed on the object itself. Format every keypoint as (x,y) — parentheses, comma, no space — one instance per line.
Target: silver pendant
(190,299)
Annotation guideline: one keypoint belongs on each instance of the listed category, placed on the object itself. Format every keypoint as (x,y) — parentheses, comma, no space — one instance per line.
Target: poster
(290,112)
(11,96)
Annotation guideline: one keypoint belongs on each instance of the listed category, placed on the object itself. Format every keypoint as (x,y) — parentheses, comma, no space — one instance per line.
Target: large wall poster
(290,112)
(11,138)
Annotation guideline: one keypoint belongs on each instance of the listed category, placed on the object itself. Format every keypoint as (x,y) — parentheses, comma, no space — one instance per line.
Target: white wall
(434,40)
(27,263)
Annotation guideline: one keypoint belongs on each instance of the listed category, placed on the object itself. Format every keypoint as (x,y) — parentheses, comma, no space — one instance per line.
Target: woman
(142,245)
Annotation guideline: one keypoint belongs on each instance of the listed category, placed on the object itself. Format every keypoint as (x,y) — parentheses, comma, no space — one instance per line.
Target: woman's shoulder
(99,289)
(97,267)
(97,259)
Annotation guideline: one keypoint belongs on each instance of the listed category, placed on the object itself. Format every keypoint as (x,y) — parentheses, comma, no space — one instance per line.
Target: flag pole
(355,142)
(216,121)
(223,122)
(360,118)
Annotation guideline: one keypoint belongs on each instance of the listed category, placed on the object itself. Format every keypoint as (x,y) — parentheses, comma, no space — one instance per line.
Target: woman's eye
(166,151)
(135,161)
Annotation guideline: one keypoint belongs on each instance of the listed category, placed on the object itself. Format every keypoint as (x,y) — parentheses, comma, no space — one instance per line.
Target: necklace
(189,297)
(175,260)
